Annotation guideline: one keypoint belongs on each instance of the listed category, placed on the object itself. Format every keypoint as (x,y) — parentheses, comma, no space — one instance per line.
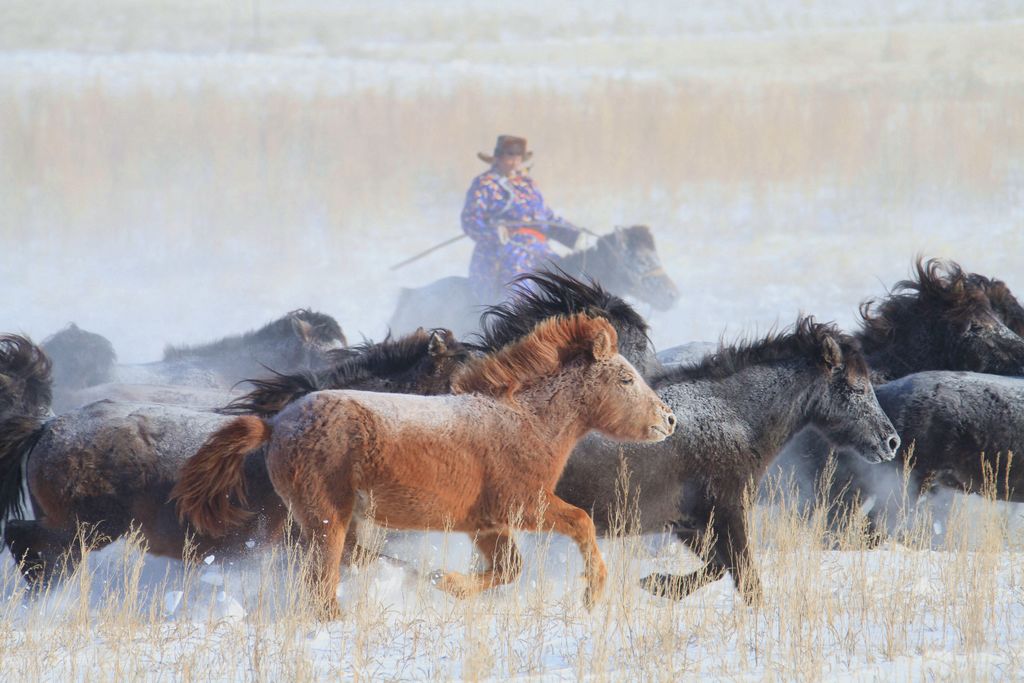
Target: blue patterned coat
(515,200)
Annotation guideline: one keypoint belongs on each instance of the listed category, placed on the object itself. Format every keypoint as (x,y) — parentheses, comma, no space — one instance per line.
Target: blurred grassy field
(793,144)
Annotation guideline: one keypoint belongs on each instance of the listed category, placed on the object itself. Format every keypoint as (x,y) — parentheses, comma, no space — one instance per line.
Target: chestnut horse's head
(582,353)
(620,403)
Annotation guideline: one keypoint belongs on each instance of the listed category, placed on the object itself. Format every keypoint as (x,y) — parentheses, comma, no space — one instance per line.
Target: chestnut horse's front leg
(506,564)
(573,522)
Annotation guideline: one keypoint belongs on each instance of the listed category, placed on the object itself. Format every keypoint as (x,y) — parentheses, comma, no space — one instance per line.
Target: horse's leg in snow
(729,552)
(571,521)
(324,529)
(45,551)
(505,566)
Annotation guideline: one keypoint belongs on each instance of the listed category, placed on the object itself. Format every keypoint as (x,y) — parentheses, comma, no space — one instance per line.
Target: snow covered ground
(173,173)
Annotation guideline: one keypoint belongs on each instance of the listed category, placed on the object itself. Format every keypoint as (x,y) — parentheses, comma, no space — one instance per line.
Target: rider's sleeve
(475,213)
(556,228)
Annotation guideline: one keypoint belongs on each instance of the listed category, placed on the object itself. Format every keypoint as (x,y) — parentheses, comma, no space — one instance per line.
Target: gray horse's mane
(323,327)
(806,339)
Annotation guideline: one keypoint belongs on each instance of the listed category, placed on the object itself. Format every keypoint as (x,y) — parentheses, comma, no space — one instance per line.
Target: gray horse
(966,429)
(735,409)
(945,319)
(625,261)
(197,376)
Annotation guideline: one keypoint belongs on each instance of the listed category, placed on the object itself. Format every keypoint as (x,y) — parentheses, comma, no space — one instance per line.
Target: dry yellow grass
(902,612)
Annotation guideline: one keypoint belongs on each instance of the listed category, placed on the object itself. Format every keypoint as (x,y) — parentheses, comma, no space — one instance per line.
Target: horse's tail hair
(26,383)
(18,436)
(210,492)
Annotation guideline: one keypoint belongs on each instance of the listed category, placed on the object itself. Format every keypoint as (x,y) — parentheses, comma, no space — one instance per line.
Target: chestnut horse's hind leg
(506,564)
(573,522)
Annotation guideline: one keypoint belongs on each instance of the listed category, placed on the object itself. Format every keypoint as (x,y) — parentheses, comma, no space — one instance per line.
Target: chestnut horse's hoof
(328,612)
(453,583)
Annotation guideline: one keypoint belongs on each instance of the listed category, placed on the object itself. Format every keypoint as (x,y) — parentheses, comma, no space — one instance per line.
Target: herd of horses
(549,417)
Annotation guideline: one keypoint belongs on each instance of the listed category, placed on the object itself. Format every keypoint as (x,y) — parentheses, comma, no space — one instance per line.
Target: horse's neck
(773,401)
(887,364)
(592,261)
(557,413)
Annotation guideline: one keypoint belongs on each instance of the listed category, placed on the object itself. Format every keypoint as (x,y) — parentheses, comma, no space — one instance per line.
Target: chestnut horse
(478,461)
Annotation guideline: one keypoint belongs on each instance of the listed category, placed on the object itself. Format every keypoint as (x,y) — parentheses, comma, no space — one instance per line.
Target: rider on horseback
(505,215)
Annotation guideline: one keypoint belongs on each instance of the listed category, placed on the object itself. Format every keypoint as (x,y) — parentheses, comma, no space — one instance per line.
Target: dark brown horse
(968,435)
(109,465)
(474,462)
(943,319)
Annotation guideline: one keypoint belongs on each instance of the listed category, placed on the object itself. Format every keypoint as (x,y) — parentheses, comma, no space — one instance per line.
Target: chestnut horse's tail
(212,482)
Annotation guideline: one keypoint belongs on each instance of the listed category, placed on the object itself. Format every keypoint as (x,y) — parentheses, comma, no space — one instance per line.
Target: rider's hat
(506,144)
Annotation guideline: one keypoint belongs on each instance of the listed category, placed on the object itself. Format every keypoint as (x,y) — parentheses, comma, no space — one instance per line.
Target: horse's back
(939,410)
(107,447)
(448,302)
(409,454)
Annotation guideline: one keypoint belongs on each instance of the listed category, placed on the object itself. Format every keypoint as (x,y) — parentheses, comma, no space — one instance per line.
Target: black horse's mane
(940,284)
(323,327)
(1002,300)
(539,296)
(346,367)
(806,339)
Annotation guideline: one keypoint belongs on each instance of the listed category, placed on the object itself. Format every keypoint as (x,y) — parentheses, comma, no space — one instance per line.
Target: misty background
(173,172)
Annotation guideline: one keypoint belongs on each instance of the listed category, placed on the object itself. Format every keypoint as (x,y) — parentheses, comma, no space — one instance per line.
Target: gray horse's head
(943,319)
(845,408)
(633,267)
(300,340)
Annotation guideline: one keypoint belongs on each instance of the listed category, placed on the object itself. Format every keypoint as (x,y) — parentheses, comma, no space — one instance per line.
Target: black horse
(625,261)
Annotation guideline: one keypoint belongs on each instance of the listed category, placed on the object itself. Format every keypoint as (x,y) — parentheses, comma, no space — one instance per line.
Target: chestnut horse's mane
(552,343)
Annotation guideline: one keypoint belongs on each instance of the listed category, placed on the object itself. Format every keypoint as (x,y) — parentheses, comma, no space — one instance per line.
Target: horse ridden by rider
(506,216)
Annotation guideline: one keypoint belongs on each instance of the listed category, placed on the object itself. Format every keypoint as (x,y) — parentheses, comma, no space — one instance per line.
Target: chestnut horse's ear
(832,354)
(602,346)
(438,345)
